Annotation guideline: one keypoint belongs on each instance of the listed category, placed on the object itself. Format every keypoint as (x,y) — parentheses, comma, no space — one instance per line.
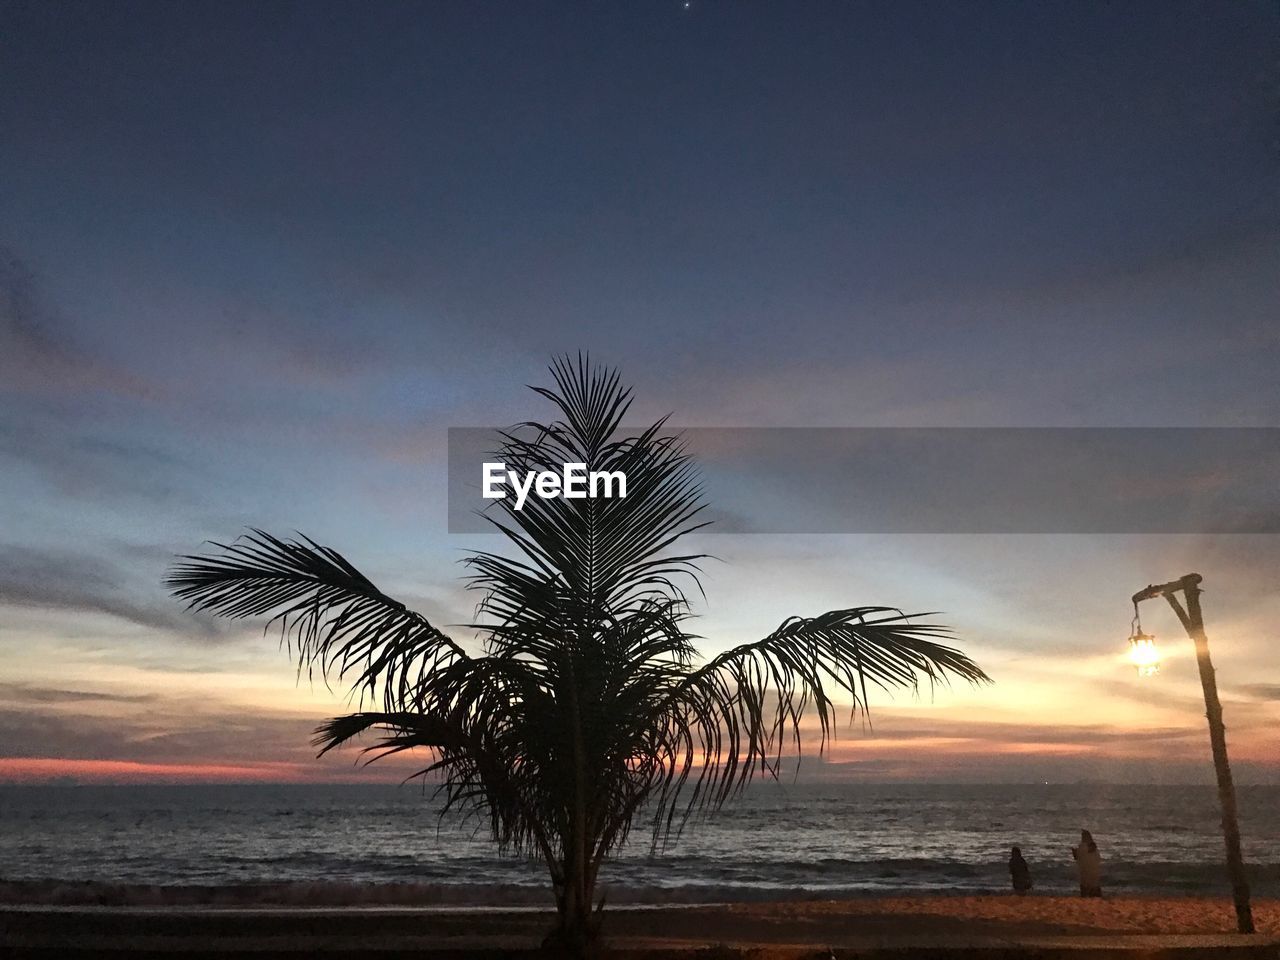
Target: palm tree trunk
(576,933)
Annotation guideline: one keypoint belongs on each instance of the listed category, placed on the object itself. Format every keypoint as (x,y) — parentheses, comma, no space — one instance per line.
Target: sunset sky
(256,260)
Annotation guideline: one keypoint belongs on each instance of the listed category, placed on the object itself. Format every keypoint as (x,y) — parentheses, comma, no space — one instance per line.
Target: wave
(310,894)
(777,882)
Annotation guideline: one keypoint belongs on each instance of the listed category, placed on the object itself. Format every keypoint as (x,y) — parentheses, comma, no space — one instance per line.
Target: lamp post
(1142,649)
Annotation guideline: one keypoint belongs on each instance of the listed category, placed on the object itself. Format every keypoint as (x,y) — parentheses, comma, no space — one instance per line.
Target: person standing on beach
(1088,865)
(1019,872)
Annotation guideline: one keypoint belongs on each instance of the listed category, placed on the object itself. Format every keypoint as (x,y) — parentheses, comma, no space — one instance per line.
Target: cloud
(127,726)
(1261,691)
(898,726)
(29,693)
(173,730)
(56,732)
(95,468)
(88,738)
(63,581)
(1148,695)
(36,354)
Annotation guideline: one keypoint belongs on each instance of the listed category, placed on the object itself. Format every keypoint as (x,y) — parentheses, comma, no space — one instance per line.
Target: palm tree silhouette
(586,706)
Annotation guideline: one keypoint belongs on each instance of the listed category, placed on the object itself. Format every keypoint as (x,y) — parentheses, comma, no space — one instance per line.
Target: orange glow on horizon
(45,769)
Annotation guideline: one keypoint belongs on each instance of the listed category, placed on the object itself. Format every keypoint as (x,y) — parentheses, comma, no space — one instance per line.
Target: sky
(257,259)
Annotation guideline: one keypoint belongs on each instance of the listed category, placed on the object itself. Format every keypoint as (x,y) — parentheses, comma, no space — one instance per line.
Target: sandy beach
(1010,915)
(985,925)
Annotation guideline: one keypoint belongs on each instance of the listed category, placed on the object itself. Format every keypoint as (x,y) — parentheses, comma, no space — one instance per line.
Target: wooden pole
(1193,622)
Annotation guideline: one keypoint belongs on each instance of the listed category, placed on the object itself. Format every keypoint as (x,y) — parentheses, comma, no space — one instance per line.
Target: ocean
(777,840)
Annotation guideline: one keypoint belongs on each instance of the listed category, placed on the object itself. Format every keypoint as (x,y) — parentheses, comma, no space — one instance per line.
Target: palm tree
(585,705)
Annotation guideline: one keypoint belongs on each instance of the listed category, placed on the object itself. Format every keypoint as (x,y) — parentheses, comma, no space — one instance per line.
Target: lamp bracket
(1188,583)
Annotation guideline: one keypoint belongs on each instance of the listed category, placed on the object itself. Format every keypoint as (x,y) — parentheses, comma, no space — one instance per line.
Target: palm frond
(328,612)
(596,555)
(741,709)
(403,728)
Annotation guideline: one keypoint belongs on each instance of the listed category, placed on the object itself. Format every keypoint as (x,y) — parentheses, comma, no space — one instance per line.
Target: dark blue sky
(258,257)
(996,188)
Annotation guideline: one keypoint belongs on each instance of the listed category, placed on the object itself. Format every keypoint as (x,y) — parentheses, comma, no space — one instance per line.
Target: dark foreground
(1050,928)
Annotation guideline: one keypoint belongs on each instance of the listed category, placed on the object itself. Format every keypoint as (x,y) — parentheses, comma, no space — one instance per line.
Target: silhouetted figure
(1019,872)
(1088,865)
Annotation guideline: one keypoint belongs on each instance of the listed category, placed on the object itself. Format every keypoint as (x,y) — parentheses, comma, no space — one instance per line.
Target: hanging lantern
(1143,653)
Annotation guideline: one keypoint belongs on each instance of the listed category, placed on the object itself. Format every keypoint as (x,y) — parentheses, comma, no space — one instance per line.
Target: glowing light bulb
(1143,654)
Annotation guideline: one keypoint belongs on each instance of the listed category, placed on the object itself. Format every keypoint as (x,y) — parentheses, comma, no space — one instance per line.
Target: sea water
(776,840)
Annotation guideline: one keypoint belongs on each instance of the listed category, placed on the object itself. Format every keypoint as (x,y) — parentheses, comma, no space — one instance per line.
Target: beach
(976,925)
